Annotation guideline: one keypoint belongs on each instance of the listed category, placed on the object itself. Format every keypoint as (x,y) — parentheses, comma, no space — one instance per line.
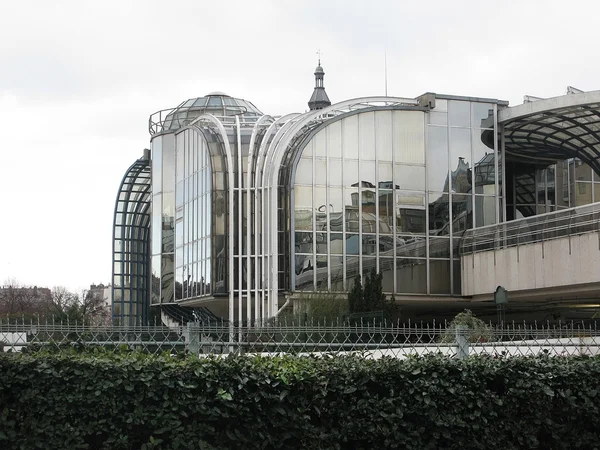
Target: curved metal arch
(261,167)
(230,189)
(261,122)
(135,234)
(282,146)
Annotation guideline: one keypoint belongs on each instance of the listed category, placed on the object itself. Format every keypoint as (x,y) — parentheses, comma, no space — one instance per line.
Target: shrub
(133,401)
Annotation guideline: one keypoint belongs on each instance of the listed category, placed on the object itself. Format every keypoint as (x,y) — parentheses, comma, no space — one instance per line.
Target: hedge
(135,401)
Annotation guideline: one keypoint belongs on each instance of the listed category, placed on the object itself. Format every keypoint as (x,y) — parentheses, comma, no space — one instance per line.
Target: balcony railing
(540,228)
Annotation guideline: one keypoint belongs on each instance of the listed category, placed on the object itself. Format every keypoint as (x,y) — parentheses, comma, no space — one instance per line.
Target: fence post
(462,343)
(193,338)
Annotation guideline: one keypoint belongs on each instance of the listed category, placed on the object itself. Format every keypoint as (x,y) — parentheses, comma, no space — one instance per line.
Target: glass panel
(320,143)
(337,273)
(482,115)
(459,113)
(439,213)
(336,243)
(439,247)
(461,213)
(439,275)
(409,177)
(460,159)
(441,104)
(410,212)
(321,208)
(350,137)
(352,269)
(456,276)
(485,211)
(320,171)
(157,164)
(383,136)
(366,134)
(321,243)
(409,137)
(336,209)
(369,244)
(304,272)
(438,118)
(334,139)
(437,159)
(367,173)
(386,268)
(304,171)
(369,264)
(350,173)
(484,166)
(352,244)
(168,163)
(386,211)
(215,102)
(335,172)
(303,208)
(411,276)
(322,273)
(385,175)
(412,246)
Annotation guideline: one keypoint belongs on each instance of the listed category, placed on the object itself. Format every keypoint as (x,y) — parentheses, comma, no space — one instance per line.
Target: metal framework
(131,245)
(555,129)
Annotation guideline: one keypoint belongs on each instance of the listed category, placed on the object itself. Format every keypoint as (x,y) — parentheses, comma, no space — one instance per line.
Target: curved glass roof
(555,129)
(216,103)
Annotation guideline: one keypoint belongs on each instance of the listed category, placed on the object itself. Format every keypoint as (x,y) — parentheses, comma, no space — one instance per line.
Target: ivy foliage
(134,401)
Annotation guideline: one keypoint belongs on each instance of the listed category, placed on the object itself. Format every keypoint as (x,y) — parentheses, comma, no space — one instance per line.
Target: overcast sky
(78,80)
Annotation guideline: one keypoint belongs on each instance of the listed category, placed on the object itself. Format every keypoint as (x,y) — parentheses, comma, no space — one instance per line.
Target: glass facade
(393,190)
(194,213)
(256,208)
(131,246)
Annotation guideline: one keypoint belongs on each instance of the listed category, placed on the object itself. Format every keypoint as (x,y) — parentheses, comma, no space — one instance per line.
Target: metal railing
(174,118)
(540,228)
(369,340)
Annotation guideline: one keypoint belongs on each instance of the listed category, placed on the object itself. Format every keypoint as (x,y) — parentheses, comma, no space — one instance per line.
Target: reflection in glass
(459,113)
(383,138)
(439,213)
(411,276)
(304,171)
(337,273)
(410,178)
(460,159)
(303,209)
(439,247)
(482,115)
(439,276)
(322,283)
(437,158)
(485,210)
(386,268)
(304,272)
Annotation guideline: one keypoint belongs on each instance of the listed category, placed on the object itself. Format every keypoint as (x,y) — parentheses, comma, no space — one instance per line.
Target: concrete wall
(559,262)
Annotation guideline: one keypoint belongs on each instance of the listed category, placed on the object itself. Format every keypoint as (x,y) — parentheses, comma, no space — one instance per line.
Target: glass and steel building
(248,210)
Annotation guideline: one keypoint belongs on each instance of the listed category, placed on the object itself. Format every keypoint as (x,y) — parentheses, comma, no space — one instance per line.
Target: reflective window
(373,197)
(459,113)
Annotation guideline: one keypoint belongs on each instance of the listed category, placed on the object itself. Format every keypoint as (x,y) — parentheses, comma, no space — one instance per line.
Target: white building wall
(560,262)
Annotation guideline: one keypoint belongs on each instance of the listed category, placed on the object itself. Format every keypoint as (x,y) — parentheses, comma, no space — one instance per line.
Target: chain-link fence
(365,339)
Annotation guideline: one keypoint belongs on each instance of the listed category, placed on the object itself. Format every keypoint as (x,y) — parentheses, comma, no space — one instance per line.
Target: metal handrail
(528,230)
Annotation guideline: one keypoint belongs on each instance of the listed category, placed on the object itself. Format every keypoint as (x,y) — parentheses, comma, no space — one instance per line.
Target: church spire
(319,98)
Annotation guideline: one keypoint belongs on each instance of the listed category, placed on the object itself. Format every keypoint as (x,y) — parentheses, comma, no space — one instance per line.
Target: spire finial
(319,53)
